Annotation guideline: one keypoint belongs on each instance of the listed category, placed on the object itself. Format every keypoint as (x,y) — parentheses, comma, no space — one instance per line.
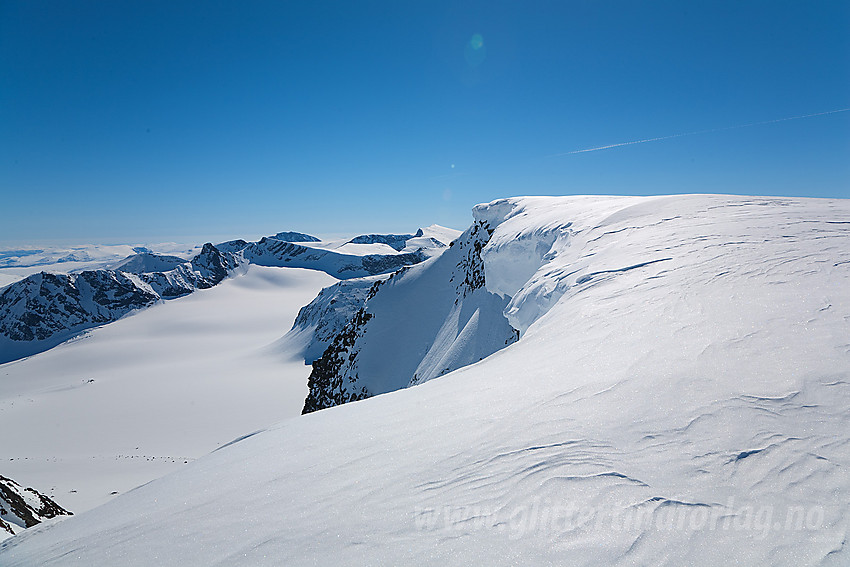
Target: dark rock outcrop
(271,252)
(328,383)
(44,309)
(422,322)
(395,241)
(289,236)
(22,508)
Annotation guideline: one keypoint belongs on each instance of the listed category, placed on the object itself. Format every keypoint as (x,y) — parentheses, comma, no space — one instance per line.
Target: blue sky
(146,120)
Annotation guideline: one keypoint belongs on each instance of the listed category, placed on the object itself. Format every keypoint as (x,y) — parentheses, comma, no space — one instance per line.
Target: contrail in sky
(701,132)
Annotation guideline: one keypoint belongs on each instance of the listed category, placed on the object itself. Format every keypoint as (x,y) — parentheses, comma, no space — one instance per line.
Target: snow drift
(680,394)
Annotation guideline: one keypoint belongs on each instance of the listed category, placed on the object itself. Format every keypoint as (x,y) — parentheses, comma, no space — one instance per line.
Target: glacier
(679,394)
(47,308)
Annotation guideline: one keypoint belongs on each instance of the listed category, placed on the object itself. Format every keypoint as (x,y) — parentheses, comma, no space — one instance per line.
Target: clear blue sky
(144,120)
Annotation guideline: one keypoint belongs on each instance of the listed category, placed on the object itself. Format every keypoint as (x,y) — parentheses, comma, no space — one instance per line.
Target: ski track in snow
(681,385)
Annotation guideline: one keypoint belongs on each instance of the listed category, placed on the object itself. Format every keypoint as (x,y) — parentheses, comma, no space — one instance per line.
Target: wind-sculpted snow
(680,395)
(420,323)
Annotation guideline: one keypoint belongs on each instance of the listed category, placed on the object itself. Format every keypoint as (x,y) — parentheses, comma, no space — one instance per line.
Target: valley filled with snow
(573,381)
(138,398)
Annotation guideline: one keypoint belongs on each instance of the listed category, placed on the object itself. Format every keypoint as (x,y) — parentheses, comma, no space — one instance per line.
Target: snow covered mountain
(147,262)
(679,394)
(289,236)
(45,309)
(16,264)
(131,401)
(270,252)
(22,508)
(418,323)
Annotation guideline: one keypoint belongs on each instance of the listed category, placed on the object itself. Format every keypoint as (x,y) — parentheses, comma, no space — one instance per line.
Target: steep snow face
(419,323)
(319,322)
(22,508)
(685,411)
(537,248)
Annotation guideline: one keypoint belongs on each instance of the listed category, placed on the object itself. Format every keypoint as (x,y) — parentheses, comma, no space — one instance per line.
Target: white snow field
(135,399)
(680,395)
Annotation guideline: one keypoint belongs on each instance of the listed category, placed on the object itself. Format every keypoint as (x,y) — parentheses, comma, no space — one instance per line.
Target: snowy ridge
(448,321)
(41,311)
(395,241)
(319,322)
(680,394)
(147,262)
(276,253)
(22,508)
(289,236)
(90,254)
(17,264)
(45,309)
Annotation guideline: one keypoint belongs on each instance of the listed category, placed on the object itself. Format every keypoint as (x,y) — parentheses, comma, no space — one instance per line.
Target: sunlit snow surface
(682,385)
(17,262)
(140,397)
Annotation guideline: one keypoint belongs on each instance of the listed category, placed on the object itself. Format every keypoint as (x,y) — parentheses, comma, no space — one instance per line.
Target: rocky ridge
(22,508)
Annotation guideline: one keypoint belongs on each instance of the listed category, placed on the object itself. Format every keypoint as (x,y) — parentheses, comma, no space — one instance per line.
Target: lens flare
(475,52)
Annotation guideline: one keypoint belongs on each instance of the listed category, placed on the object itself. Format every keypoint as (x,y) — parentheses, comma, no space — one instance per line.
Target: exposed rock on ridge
(22,508)
(420,323)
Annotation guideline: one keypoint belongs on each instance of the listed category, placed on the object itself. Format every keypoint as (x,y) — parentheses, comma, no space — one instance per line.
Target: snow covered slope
(427,242)
(147,262)
(342,265)
(680,394)
(45,309)
(324,318)
(421,322)
(22,508)
(136,399)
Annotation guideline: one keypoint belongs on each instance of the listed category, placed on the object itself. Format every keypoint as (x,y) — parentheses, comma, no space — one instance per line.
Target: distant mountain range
(47,308)
(577,380)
